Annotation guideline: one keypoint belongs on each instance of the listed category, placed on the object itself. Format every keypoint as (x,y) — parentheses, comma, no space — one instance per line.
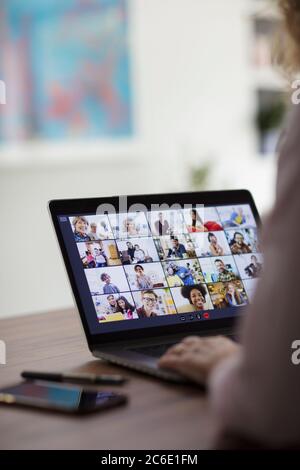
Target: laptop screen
(160,267)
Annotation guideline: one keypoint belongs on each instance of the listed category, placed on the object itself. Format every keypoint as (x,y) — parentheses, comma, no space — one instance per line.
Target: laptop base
(142,356)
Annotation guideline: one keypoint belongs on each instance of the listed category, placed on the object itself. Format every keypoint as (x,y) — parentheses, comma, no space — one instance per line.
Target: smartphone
(68,399)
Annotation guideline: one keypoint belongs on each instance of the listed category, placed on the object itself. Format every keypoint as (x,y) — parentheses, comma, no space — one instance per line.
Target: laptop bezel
(89,205)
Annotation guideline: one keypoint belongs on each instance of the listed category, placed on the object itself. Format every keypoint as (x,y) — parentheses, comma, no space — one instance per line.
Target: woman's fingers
(191,339)
(191,343)
(176,349)
(195,357)
(173,360)
(185,364)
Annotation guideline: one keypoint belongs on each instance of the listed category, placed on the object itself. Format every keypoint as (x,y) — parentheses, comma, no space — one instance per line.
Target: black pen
(75,377)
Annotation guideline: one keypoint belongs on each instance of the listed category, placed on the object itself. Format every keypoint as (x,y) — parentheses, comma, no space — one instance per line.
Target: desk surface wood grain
(158,415)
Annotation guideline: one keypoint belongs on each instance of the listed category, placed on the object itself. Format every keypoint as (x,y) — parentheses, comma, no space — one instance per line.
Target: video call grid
(187,233)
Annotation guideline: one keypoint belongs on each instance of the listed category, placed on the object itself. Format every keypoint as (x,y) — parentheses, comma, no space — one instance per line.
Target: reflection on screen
(54,394)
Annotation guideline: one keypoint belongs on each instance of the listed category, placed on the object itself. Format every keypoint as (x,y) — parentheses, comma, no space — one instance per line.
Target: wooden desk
(158,416)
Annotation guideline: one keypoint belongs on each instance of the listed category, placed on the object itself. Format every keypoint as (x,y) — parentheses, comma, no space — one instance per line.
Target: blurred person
(254,388)
(215,248)
(148,309)
(104,233)
(196,224)
(218,296)
(91,262)
(190,269)
(190,249)
(100,257)
(185,273)
(139,254)
(142,280)
(125,308)
(254,269)
(177,250)
(237,218)
(108,287)
(80,225)
(196,295)
(130,250)
(130,227)
(223,273)
(112,304)
(173,278)
(233,295)
(161,225)
(238,245)
(93,232)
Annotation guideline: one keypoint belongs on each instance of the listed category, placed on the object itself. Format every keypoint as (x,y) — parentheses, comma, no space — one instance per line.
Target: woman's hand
(196,357)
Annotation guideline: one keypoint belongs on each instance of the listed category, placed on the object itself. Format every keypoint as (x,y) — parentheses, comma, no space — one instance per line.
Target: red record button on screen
(205,315)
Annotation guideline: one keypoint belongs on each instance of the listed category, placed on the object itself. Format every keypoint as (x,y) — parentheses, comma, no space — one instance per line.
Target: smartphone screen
(59,397)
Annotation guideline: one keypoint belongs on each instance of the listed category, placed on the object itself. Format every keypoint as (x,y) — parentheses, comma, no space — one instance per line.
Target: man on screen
(255,267)
(161,225)
(224,274)
(149,299)
(177,250)
(238,245)
(112,304)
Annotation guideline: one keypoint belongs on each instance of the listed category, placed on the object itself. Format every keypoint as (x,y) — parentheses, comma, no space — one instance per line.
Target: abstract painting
(67,68)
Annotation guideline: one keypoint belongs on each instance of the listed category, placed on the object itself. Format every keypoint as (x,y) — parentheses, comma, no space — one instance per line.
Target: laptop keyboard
(154,351)
(159,349)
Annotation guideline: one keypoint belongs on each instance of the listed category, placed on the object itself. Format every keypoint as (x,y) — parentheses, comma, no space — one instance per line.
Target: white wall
(193,102)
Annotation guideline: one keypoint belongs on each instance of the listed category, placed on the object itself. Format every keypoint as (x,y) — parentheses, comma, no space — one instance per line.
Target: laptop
(148,270)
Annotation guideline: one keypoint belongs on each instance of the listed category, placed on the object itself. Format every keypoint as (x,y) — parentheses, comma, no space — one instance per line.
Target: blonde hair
(80,217)
(287,51)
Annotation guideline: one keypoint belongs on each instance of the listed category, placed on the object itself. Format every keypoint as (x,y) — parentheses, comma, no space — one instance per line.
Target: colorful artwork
(68,67)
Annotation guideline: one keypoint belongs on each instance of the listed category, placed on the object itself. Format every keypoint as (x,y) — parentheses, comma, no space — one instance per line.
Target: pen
(75,377)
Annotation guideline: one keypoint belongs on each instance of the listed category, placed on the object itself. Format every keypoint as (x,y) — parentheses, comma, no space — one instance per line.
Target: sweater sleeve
(256,394)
